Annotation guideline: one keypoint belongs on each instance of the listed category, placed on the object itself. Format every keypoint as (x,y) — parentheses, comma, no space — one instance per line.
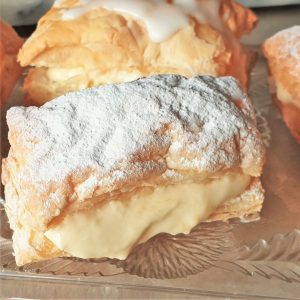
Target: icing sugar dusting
(148,127)
(291,43)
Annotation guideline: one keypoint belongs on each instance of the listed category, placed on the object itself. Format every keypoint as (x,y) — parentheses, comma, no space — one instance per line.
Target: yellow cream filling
(113,229)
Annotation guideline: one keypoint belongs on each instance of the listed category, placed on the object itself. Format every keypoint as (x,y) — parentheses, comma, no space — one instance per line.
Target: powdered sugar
(291,44)
(149,127)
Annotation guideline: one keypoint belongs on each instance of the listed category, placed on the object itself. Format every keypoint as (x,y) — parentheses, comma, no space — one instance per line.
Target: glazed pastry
(80,44)
(98,171)
(10,70)
(283,54)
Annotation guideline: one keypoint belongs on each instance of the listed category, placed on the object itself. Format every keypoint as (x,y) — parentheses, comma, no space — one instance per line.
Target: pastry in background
(80,44)
(283,54)
(98,171)
(10,70)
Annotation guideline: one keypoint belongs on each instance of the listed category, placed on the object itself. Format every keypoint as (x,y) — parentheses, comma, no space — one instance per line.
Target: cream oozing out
(162,19)
(172,209)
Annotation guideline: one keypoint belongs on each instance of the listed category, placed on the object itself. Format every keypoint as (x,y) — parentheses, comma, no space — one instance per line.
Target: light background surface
(26,12)
(265,3)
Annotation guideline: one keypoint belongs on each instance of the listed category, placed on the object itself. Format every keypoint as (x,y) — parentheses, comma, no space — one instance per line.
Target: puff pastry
(95,172)
(283,54)
(10,70)
(80,44)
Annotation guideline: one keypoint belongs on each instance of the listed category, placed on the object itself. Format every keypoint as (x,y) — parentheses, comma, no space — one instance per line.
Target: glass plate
(260,259)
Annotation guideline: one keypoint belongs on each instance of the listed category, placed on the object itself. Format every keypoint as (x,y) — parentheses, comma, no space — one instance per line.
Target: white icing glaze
(161,19)
(113,229)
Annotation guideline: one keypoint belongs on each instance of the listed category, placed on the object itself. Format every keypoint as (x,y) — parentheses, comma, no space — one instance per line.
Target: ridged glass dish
(259,259)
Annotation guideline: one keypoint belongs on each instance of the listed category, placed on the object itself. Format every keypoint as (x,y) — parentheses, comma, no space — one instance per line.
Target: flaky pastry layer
(283,55)
(108,47)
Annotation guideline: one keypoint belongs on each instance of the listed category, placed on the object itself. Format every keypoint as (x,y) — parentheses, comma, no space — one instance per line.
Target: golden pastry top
(105,39)
(162,18)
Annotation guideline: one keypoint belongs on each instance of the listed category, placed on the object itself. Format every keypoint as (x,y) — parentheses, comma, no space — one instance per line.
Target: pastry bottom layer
(115,227)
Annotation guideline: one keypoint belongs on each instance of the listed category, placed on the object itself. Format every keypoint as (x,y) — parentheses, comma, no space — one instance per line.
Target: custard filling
(113,229)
